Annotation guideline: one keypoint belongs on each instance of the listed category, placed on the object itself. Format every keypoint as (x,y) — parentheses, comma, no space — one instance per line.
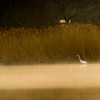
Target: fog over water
(50,76)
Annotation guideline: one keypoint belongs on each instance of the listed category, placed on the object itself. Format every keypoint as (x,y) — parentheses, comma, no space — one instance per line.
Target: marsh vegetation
(60,43)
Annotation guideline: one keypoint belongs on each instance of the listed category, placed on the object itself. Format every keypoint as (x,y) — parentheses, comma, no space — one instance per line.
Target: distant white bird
(83,62)
(62,21)
(69,21)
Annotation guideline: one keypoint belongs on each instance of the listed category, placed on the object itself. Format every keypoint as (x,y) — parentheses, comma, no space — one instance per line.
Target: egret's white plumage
(62,21)
(69,21)
(83,62)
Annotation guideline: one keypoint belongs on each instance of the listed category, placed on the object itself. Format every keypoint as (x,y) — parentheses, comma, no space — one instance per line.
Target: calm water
(50,76)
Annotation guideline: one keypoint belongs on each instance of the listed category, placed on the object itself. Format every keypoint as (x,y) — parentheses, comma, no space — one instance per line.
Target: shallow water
(50,76)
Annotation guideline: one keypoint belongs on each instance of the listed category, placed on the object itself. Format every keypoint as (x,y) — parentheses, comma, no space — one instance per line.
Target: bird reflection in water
(83,66)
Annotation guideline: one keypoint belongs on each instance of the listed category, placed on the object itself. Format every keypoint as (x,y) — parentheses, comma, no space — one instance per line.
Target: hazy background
(23,41)
(32,39)
(37,13)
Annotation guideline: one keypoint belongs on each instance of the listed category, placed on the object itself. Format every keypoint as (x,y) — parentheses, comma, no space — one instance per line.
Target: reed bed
(61,43)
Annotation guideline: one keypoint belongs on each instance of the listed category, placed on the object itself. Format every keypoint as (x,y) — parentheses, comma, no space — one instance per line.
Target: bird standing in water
(81,61)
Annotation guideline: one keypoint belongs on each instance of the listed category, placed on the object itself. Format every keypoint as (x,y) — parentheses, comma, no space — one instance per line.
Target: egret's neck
(79,58)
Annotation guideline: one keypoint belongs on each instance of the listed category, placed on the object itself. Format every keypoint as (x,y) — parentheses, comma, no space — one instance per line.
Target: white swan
(83,62)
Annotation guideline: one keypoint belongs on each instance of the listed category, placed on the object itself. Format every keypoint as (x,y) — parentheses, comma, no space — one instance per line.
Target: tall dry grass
(49,45)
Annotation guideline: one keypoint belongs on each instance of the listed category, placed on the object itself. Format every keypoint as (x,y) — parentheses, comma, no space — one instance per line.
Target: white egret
(81,61)
(69,21)
(62,21)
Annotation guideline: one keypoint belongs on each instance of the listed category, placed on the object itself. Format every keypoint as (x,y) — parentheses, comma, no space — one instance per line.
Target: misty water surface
(50,76)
